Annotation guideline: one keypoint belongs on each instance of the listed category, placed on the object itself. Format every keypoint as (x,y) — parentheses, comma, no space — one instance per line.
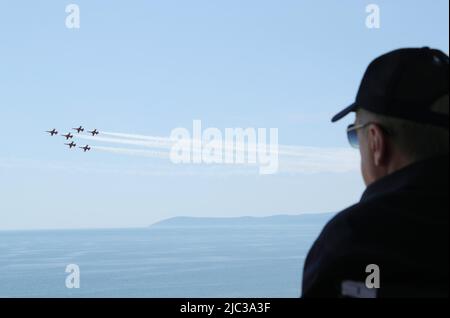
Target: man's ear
(378,145)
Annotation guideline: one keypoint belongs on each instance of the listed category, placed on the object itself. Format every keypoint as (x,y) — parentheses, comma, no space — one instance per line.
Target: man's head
(402,111)
(387,144)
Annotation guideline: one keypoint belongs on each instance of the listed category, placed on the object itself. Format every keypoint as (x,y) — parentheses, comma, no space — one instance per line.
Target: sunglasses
(352,133)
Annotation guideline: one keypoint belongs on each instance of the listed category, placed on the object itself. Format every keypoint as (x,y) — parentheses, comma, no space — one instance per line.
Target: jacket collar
(427,174)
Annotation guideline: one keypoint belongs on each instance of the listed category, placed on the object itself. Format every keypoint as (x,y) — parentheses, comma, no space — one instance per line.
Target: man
(394,242)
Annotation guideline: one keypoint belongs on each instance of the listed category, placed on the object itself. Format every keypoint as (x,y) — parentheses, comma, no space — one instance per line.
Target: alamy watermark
(373,20)
(373,279)
(237,146)
(73,16)
(73,279)
(367,289)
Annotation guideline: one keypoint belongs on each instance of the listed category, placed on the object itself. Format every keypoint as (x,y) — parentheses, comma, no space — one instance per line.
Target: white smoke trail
(125,141)
(313,153)
(166,143)
(286,166)
(132,152)
(292,159)
(141,137)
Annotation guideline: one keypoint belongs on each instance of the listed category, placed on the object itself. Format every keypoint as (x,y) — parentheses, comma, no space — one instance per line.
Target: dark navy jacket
(401,225)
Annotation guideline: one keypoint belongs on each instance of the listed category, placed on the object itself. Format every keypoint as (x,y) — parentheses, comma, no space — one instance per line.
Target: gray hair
(416,141)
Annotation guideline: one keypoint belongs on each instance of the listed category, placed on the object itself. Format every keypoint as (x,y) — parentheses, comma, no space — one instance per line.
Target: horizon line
(154,223)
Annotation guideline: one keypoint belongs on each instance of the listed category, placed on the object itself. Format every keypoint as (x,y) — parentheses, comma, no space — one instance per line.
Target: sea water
(228,261)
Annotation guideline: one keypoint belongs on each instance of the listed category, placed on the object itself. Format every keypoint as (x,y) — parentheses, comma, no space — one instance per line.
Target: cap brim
(344,112)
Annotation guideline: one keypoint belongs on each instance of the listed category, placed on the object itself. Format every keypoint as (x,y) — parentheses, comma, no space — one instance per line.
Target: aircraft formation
(68,136)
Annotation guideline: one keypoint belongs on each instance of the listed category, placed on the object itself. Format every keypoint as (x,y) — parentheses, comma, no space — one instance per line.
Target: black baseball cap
(405,84)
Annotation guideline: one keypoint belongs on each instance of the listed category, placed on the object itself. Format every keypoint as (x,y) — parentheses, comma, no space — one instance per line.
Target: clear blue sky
(148,67)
